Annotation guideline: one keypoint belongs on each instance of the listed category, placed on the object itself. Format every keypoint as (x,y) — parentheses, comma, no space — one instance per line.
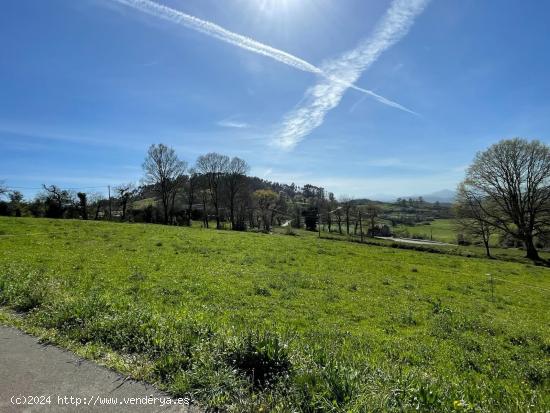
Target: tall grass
(251,322)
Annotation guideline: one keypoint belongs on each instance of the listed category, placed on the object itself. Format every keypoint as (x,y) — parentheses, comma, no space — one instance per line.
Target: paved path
(414,241)
(28,368)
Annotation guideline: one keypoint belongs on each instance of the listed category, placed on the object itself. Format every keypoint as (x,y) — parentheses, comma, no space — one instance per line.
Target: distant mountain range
(445,195)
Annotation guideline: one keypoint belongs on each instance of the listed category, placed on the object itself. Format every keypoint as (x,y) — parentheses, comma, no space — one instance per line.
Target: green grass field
(258,322)
(444,230)
(440,230)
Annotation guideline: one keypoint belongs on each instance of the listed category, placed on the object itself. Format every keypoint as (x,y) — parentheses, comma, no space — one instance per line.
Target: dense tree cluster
(217,188)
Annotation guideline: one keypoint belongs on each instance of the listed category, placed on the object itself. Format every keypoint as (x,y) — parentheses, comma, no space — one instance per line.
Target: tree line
(217,188)
(506,191)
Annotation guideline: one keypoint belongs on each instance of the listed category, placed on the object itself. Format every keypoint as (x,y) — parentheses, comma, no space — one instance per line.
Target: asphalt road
(30,371)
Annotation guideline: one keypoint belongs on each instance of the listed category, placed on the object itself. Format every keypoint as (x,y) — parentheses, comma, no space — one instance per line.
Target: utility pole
(110,210)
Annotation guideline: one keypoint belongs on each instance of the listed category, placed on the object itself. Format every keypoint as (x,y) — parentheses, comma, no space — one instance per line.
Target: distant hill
(445,195)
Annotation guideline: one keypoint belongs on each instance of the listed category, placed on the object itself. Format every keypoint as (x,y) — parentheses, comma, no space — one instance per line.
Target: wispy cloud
(327,93)
(9,130)
(227,123)
(212,29)
(244,42)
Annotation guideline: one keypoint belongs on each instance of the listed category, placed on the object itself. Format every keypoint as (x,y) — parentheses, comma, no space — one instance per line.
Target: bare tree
(372,211)
(204,195)
(296,212)
(96,201)
(179,184)
(332,204)
(162,168)
(347,206)
(236,173)
(513,176)
(56,200)
(191,188)
(124,193)
(214,166)
(266,200)
(323,212)
(471,217)
(338,213)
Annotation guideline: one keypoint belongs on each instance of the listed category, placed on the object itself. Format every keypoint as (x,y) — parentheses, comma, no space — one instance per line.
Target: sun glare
(271,7)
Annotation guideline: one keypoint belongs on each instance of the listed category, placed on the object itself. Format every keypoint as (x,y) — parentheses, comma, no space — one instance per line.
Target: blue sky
(86,86)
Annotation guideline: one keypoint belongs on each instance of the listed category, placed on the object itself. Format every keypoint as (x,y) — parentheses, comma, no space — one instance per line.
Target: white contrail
(212,29)
(378,97)
(328,92)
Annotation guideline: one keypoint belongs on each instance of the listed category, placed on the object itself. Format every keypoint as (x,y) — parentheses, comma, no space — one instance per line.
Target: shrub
(263,357)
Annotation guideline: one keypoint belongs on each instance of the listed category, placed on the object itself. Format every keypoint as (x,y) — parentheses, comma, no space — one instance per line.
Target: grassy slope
(367,327)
